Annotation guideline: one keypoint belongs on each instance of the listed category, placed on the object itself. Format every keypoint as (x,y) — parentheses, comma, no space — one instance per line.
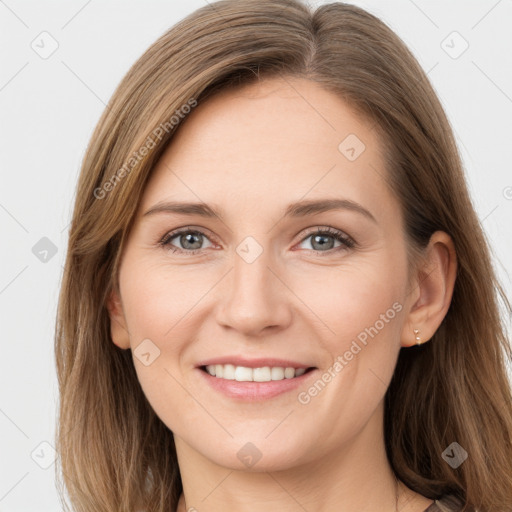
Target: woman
(277,294)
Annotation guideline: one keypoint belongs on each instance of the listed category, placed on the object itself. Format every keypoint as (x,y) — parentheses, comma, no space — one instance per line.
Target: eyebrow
(295,210)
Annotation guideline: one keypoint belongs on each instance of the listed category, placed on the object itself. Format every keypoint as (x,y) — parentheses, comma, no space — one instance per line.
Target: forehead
(277,140)
(285,117)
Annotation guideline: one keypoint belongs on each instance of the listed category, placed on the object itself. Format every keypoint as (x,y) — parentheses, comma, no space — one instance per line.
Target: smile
(250,384)
(246,374)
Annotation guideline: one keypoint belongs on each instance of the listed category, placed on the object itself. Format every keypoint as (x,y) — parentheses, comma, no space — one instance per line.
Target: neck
(356,477)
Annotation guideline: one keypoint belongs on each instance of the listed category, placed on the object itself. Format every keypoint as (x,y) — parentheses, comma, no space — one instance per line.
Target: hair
(114,452)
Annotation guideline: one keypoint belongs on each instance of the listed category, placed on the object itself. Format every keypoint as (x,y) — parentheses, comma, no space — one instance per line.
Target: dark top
(445,504)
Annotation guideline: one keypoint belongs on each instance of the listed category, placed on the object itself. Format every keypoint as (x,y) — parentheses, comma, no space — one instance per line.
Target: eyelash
(346,241)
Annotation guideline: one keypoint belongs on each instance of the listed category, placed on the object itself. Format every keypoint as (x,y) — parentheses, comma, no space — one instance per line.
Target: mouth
(255,381)
(248,374)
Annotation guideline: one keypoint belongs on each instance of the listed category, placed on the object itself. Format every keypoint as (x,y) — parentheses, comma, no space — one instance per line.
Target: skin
(251,152)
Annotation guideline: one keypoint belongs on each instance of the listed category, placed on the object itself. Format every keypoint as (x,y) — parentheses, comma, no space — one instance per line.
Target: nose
(254,298)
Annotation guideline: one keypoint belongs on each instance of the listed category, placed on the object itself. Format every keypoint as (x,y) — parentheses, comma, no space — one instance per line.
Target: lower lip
(253,391)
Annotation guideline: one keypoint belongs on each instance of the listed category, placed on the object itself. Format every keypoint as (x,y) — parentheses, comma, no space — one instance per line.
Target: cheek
(367,309)
(161,306)
(158,300)
(364,316)
(157,322)
(359,301)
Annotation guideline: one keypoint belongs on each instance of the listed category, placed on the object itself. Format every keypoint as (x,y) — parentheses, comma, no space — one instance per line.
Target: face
(294,258)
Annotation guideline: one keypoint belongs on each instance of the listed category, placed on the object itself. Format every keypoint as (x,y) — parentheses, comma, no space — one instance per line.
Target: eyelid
(325,229)
(186,229)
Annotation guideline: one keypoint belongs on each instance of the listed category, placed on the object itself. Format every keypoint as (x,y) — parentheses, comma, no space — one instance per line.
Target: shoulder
(448,503)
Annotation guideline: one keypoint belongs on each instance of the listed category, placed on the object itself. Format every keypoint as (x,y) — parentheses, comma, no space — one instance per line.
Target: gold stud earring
(416,334)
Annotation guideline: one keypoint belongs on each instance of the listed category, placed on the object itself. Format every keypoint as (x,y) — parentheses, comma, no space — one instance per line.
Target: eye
(324,239)
(190,240)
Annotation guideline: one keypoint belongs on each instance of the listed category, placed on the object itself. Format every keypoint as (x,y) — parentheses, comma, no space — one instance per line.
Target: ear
(432,290)
(118,329)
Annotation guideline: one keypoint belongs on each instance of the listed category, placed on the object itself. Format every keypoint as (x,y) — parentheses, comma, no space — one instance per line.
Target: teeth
(277,373)
(241,374)
(289,373)
(261,374)
(244,374)
(228,372)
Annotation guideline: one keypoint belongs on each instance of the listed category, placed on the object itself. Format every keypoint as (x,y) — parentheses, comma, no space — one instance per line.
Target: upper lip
(259,362)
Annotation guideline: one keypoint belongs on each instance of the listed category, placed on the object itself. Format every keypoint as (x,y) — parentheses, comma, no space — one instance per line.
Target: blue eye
(320,239)
(191,240)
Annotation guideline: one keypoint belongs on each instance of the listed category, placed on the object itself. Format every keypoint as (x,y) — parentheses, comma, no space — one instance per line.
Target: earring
(416,334)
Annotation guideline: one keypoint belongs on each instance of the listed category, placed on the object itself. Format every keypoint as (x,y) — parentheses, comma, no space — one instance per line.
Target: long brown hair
(114,452)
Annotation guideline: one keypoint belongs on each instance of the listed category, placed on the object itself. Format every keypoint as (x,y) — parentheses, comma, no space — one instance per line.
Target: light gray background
(50,106)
